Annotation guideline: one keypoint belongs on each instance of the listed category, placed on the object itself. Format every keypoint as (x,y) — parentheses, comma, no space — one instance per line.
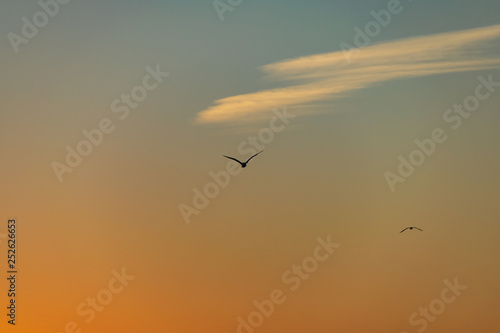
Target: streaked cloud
(330,76)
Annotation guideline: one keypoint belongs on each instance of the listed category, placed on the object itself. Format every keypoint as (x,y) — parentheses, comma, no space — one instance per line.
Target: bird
(243,164)
(410,229)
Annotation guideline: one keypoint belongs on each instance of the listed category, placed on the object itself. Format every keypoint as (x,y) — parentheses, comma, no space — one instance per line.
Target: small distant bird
(243,164)
(410,229)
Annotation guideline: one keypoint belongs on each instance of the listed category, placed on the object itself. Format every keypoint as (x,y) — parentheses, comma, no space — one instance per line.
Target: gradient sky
(322,175)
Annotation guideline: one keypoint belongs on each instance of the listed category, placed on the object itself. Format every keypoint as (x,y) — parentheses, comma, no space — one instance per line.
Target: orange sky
(107,248)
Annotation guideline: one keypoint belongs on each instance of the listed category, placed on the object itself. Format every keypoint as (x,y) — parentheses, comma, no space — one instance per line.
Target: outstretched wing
(232,158)
(418,228)
(254,156)
(403,229)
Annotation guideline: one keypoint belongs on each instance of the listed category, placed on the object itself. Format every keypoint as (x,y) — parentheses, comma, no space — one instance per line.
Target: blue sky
(323,174)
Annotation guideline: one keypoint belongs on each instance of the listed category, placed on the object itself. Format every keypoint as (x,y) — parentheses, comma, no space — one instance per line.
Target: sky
(373,116)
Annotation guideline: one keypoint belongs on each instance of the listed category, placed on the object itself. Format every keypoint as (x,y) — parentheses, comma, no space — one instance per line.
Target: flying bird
(243,164)
(410,229)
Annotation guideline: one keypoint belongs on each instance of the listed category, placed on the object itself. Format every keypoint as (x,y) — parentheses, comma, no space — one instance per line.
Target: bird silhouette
(243,164)
(410,229)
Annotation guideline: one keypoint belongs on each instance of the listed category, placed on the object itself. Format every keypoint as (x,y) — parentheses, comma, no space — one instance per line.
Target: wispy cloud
(329,76)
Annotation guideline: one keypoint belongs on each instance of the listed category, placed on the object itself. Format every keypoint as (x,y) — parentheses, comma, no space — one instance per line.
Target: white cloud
(330,76)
